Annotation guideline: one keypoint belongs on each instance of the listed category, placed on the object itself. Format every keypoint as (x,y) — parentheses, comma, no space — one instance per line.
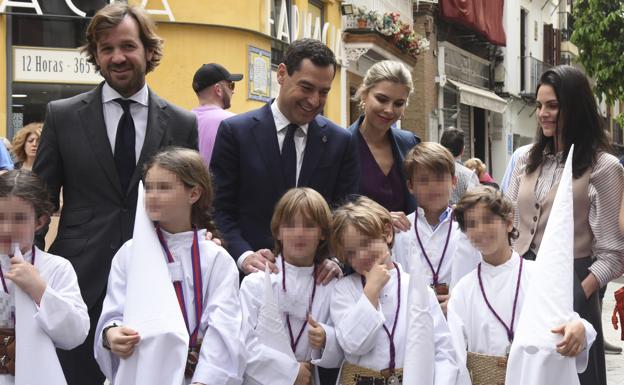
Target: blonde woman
(25,144)
(381,148)
(480,169)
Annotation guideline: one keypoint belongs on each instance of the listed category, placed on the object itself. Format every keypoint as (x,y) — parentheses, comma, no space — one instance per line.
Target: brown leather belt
(7,351)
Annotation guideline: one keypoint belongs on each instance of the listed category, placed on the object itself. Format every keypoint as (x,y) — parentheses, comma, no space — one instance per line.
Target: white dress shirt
(460,257)
(113,112)
(301,134)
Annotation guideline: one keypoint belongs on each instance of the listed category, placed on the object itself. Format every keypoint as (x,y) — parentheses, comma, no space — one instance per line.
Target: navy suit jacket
(248,179)
(402,141)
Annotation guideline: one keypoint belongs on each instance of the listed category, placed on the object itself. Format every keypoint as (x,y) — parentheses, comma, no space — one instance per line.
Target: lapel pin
(324,139)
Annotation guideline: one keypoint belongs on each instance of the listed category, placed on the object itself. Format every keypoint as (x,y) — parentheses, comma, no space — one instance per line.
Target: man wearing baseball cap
(214,87)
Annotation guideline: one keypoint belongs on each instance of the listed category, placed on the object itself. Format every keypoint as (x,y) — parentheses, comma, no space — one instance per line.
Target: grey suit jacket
(74,154)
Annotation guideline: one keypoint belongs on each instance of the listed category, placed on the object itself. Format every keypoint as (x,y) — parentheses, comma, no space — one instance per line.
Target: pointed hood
(419,348)
(270,328)
(35,355)
(549,299)
(152,310)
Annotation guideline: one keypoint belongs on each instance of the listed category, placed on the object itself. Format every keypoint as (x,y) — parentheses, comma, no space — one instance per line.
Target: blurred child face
(300,238)
(167,199)
(487,231)
(431,189)
(362,252)
(18,224)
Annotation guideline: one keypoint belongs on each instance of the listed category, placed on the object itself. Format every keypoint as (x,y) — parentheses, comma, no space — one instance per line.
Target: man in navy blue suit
(260,154)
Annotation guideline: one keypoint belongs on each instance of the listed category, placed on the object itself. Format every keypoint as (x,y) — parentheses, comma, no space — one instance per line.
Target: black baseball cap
(209,74)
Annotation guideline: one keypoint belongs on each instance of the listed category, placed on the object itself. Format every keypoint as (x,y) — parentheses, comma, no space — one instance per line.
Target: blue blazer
(248,179)
(402,141)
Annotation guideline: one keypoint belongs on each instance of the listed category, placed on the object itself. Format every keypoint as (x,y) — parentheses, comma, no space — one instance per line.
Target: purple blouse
(387,190)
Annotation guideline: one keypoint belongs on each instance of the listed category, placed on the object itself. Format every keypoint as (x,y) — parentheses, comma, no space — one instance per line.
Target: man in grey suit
(94,145)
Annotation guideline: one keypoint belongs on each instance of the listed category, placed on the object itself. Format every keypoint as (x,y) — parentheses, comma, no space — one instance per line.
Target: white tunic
(475,328)
(61,315)
(222,358)
(267,366)
(360,332)
(460,257)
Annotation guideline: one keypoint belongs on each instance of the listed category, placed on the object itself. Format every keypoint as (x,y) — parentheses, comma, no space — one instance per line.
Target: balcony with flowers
(387,30)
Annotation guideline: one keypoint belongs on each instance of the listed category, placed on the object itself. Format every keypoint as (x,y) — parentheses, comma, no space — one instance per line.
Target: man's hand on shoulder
(328,271)
(257,261)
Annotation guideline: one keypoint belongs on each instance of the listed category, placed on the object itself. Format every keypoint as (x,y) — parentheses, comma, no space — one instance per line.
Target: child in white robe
(434,242)
(301,229)
(369,308)
(178,198)
(486,304)
(49,301)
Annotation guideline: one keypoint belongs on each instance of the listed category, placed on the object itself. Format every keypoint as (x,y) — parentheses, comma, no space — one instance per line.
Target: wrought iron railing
(465,67)
(534,69)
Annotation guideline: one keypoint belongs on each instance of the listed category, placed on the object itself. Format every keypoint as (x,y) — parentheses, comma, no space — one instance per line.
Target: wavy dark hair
(110,17)
(582,123)
(312,49)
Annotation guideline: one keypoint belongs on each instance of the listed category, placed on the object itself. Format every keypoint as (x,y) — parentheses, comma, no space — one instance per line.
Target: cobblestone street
(615,362)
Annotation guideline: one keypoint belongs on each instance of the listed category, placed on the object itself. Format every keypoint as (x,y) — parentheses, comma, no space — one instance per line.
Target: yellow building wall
(187,47)
(246,14)
(3,85)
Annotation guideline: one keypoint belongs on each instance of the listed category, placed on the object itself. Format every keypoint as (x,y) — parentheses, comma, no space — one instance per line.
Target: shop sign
(289,28)
(52,65)
(34,4)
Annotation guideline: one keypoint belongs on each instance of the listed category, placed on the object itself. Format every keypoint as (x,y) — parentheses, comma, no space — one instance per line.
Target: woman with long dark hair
(567,114)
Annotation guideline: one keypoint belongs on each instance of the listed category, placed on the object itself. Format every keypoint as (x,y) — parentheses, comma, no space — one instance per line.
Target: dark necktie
(289,157)
(125,156)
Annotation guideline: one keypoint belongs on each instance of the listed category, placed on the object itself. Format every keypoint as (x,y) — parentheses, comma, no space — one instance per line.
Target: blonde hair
(476,164)
(366,216)
(188,165)
(431,156)
(312,206)
(385,70)
(20,138)
(493,199)
(110,17)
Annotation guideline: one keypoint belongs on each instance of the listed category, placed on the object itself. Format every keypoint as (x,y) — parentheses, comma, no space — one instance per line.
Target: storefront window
(58,28)
(315,7)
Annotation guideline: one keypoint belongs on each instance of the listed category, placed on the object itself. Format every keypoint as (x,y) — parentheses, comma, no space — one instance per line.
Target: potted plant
(361,15)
